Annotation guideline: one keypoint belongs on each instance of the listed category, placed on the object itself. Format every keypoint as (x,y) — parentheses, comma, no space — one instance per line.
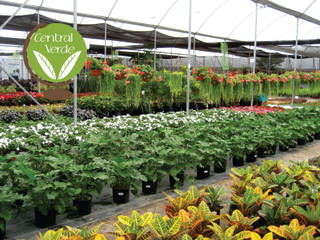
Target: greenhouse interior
(159,120)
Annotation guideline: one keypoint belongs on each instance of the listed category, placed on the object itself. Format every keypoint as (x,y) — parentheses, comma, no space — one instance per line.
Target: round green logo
(56,53)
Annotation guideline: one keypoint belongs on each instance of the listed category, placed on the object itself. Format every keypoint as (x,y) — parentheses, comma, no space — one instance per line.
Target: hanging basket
(145,79)
(95,73)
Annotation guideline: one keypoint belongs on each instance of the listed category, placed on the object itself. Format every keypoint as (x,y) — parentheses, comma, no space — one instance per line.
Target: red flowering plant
(215,77)
(20,98)
(94,64)
(256,109)
(199,73)
(120,71)
(314,82)
(145,71)
(297,80)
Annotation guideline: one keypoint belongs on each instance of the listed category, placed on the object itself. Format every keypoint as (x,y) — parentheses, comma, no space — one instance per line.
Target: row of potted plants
(271,201)
(207,86)
(48,179)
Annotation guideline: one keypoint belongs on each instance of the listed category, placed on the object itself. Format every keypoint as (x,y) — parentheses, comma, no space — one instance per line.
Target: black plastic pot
(283,148)
(83,206)
(273,150)
(252,157)
(217,209)
(238,161)
(120,195)
(232,208)
(149,187)
(203,172)
(260,223)
(45,220)
(220,166)
(310,138)
(2,233)
(262,152)
(317,135)
(19,203)
(172,181)
(302,141)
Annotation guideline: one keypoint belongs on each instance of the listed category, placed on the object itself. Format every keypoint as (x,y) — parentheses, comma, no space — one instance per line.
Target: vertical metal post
(75,112)
(38,83)
(254,53)
(269,64)
(154,51)
(295,62)
(105,40)
(313,64)
(21,72)
(189,59)
(171,61)
(194,50)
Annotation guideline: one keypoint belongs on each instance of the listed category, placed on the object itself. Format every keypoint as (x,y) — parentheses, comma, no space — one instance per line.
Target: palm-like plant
(213,196)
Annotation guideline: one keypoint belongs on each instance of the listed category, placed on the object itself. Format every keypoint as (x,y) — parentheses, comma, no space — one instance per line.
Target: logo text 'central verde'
(56,53)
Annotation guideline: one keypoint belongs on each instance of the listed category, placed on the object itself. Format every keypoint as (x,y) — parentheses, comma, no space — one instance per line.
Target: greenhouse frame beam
(54,10)
(75,79)
(288,11)
(254,53)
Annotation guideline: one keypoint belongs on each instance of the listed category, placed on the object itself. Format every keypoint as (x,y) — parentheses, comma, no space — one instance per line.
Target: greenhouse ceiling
(230,19)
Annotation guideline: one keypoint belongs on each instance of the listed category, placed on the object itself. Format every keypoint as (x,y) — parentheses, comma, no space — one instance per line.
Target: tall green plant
(175,83)
(133,89)
(107,82)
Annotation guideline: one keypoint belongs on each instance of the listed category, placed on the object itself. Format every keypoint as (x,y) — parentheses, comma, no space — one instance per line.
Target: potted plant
(88,174)
(178,156)
(122,175)
(152,165)
(94,65)
(238,149)
(213,198)
(48,185)
(7,200)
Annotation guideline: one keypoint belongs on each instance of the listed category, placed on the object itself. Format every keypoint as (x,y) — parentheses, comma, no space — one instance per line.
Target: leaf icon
(68,65)
(45,65)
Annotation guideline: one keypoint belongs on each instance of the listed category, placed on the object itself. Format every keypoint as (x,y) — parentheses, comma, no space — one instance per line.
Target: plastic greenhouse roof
(225,18)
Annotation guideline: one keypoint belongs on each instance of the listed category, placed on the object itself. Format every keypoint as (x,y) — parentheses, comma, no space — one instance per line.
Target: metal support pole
(35,100)
(38,20)
(254,53)
(75,110)
(189,59)
(194,50)
(269,64)
(295,62)
(105,40)
(154,51)
(14,14)
(300,63)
